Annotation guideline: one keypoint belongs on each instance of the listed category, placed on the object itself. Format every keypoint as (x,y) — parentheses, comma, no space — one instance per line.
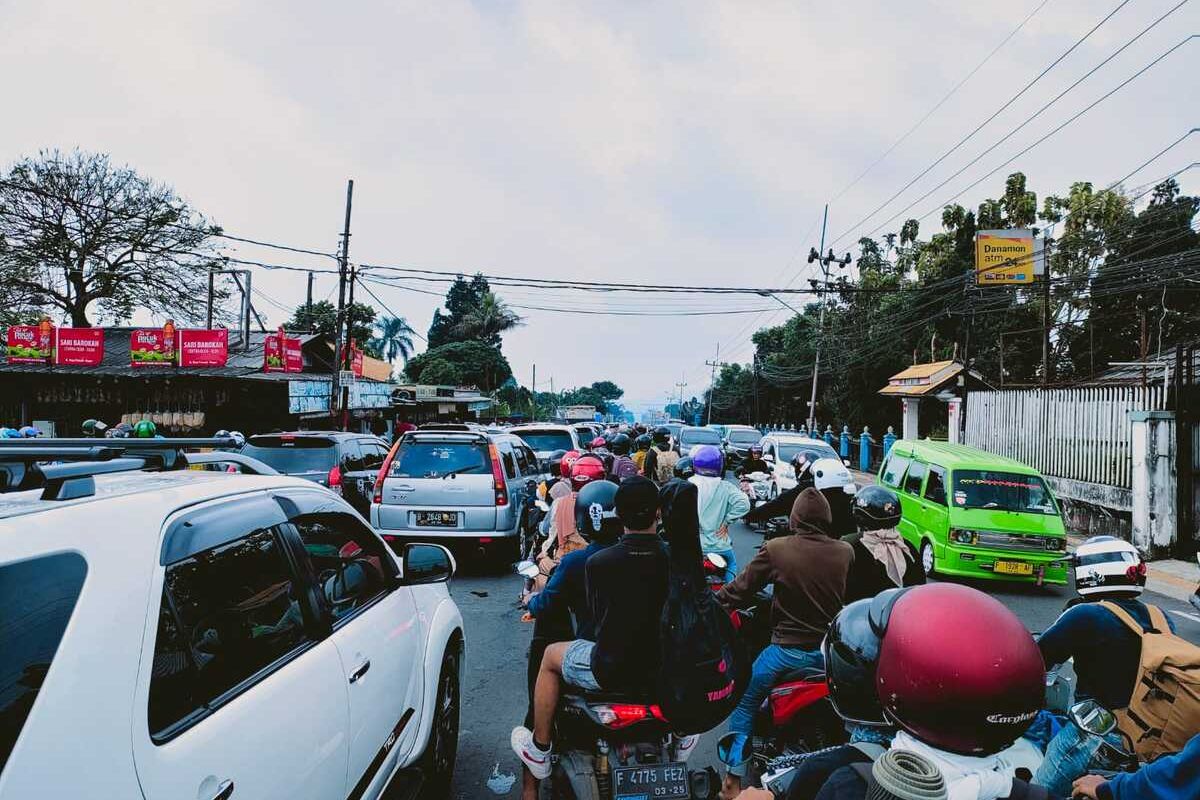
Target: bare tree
(77,233)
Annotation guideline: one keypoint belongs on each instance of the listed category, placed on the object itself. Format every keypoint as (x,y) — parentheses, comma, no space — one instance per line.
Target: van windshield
(546,440)
(437,459)
(1005,491)
(744,436)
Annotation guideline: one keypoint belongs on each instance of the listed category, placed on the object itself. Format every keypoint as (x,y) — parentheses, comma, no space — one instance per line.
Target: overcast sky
(673,142)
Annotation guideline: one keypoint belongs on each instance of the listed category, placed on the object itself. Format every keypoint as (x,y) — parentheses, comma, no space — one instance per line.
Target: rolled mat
(904,775)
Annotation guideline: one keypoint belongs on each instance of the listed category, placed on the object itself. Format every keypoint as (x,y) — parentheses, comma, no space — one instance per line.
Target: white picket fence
(1079,434)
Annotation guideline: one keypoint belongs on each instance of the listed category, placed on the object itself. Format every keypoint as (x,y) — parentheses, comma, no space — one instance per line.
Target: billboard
(203,348)
(282,353)
(1007,257)
(79,347)
(29,344)
(152,347)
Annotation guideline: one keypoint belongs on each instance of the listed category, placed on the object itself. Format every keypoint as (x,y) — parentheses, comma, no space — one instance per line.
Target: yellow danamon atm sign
(1006,257)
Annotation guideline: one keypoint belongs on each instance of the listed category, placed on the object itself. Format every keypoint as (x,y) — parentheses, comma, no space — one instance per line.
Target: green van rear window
(1003,491)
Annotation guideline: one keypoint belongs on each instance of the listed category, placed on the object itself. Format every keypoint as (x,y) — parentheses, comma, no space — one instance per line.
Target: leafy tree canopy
(476,363)
(321,317)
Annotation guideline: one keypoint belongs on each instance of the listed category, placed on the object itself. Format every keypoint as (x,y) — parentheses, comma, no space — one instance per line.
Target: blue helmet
(9,433)
(30,432)
(708,460)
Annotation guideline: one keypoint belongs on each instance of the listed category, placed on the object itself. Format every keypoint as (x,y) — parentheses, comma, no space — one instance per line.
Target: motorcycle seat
(631,698)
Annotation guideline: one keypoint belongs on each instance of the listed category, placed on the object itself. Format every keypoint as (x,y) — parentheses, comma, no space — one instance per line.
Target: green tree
(393,339)
(439,372)
(485,323)
(476,364)
(321,317)
(90,239)
(462,298)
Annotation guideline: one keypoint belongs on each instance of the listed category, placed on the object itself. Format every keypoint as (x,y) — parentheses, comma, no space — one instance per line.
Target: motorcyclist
(144,429)
(622,466)
(93,427)
(626,589)
(882,557)
(1166,778)
(827,475)
(660,458)
(1106,654)
(920,664)
(562,533)
(30,432)
(753,463)
(720,503)
(808,571)
(554,468)
(564,598)
(683,469)
(641,445)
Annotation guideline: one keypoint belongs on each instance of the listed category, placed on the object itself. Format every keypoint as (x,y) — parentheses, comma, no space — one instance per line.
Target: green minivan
(971,513)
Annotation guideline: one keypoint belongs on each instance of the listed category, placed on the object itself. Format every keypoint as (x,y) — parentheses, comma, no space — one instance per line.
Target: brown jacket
(808,570)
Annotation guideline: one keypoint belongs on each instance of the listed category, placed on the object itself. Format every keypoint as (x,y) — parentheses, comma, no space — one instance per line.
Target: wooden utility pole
(533,396)
(712,381)
(308,301)
(1046,376)
(339,338)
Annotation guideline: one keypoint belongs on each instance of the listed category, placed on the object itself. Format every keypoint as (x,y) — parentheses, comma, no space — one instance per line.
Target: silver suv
(457,487)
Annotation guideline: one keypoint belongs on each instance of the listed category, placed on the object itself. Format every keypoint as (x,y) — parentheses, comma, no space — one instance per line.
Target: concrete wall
(1155,480)
(1093,509)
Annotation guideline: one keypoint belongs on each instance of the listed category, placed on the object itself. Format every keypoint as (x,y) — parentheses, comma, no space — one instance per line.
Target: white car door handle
(224,790)
(358,673)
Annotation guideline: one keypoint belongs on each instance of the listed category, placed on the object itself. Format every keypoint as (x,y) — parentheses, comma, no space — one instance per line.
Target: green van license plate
(1012,568)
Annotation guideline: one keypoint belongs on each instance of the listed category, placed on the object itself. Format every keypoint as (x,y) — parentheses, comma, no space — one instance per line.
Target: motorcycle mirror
(1091,717)
(850,489)
(727,753)
(528,569)
(717,560)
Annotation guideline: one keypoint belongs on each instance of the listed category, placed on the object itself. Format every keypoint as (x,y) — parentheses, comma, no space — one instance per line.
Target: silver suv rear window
(436,459)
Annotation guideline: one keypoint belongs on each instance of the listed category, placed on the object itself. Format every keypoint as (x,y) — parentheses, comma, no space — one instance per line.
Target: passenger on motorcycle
(660,459)
(826,475)
(562,534)
(622,466)
(1106,653)
(922,663)
(781,506)
(683,469)
(808,572)
(882,557)
(641,445)
(626,589)
(554,467)
(720,503)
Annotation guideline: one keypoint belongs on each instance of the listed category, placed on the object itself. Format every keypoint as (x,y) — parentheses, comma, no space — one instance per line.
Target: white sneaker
(684,745)
(536,761)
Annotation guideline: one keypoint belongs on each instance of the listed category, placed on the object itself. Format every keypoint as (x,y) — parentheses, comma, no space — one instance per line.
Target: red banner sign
(151,348)
(282,354)
(79,347)
(29,344)
(356,362)
(203,348)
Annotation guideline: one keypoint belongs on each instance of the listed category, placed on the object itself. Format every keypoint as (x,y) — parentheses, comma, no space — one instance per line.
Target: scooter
(714,566)
(757,486)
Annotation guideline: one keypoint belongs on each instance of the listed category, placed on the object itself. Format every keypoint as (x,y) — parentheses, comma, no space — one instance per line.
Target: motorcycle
(756,486)
(714,571)
(619,747)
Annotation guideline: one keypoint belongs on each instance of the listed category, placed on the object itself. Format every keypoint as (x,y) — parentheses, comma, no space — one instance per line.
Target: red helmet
(568,460)
(956,668)
(597,443)
(587,469)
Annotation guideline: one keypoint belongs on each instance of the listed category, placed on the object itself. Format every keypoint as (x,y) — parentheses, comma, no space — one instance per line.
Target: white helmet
(1108,565)
(829,473)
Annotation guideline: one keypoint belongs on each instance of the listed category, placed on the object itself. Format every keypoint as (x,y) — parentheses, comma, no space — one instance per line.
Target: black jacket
(868,577)
(839,505)
(753,465)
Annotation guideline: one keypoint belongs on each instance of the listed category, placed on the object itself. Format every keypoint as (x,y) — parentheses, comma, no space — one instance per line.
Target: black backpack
(703,666)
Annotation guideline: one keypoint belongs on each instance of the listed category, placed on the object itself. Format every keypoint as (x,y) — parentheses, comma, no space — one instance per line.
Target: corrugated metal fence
(1080,434)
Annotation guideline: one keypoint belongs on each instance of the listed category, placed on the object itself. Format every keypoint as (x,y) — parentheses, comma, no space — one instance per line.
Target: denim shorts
(577,665)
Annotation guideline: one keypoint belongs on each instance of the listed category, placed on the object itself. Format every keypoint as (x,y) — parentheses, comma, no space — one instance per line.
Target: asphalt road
(494,695)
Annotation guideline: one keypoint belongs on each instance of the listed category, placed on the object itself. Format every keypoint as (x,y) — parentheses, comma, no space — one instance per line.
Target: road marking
(1192,617)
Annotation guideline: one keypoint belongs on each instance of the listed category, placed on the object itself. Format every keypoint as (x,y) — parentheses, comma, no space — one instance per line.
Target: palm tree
(490,318)
(394,339)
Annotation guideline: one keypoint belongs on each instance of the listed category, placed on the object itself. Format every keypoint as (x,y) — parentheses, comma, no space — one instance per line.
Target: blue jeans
(771,663)
(1068,756)
(730,563)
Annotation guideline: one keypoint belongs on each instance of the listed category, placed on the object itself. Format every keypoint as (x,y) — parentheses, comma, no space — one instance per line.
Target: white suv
(196,634)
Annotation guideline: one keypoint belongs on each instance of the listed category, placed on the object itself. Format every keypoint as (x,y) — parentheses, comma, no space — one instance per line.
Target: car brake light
(377,493)
(335,479)
(498,477)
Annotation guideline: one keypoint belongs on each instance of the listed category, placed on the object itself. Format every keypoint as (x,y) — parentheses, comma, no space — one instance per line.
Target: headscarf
(811,513)
(888,548)
(563,512)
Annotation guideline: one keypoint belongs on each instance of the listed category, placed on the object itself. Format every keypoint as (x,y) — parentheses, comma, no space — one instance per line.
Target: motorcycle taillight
(622,715)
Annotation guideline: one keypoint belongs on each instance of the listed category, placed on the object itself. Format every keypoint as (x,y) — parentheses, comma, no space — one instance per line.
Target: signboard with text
(29,344)
(203,348)
(1007,257)
(151,347)
(282,354)
(79,347)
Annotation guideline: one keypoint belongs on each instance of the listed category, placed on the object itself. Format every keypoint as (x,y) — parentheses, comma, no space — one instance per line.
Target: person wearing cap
(808,570)
(626,589)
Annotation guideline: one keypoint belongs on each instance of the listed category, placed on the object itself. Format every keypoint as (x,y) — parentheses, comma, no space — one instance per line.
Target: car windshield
(546,440)
(293,455)
(814,451)
(699,436)
(743,436)
(436,459)
(1005,491)
(674,429)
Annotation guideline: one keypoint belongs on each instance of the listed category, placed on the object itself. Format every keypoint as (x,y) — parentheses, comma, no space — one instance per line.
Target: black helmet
(876,508)
(620,444)
(555,463)
(642,442)
(596,512)
(851,650)
(683,468)
(662,435)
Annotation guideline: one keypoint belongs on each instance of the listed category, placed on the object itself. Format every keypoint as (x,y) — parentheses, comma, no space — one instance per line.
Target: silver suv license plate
(650,782)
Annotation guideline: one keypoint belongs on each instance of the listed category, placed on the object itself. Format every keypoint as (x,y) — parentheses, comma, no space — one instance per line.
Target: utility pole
(533,396)
(712,382)
(757,413)
(308,301)
(339,339)
(211,288)
(682,383)
(1046,377)
(826,260)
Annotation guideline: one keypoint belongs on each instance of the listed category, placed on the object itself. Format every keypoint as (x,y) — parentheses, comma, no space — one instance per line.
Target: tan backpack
(1164,711)
(664,468)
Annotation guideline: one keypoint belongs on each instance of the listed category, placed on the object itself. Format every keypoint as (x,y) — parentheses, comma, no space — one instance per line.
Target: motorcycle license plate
(650,781)
(1012,568)
(437,519)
